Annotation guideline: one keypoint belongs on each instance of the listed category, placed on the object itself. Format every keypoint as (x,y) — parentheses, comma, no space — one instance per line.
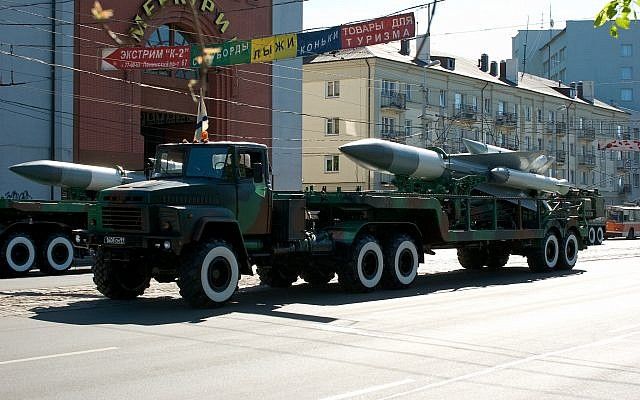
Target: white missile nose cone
(39,171)
(371,153)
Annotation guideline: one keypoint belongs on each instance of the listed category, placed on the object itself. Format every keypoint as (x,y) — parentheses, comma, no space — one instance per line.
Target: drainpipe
(52,132)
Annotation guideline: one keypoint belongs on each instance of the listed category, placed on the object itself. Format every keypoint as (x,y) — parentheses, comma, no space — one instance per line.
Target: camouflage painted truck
(209,214)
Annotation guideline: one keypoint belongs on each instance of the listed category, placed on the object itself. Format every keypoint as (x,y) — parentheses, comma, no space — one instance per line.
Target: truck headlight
(165,226)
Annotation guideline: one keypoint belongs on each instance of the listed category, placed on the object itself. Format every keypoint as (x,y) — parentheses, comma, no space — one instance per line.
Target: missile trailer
(37,234)
(209,214)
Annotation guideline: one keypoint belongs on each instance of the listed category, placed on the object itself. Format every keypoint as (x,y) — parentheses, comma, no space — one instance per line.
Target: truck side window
(246,163)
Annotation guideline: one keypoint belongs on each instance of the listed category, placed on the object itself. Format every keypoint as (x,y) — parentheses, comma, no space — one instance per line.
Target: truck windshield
(210,162)
(168,163)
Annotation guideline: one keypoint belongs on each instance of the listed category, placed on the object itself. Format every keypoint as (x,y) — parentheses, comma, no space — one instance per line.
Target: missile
(395,158)
(72,175)
(526,180)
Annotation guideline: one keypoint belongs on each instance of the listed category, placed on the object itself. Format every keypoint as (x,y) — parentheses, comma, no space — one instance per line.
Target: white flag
(202,124)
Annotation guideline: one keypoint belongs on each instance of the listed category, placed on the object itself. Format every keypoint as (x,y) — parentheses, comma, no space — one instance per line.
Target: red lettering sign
(130,58)
(381,30)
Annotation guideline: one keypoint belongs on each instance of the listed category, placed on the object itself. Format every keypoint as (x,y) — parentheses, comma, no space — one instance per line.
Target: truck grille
(122,218)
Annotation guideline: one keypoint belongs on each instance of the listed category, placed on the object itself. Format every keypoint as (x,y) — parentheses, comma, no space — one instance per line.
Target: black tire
(362,271)
(401,263)
(57,254)
(18,254)
(119,280)
(497,257)
(568,252)
(591,236)
(276,276)
(599,235)
(545,256)
(631,235)
(472,257)
(318,274)
(209,274)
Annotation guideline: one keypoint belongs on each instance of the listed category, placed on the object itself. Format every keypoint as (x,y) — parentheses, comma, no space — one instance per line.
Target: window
(457,101)
(572,149)
(584,178)
(626,94)
(474,103)
(407,91)
(501,107)
(626,50)
(443,98)
(332,163)
(426,96)
(333,126)
(527,143)
(528,113)
(515,112)
(573,177)
(636,180)
(388,126)
(408,127)
(169,35)
(389,87)
(539,119)
(333,89)
(626,73)
(540,144)
(593,178)
(561,54)
(487,106)
(552,116)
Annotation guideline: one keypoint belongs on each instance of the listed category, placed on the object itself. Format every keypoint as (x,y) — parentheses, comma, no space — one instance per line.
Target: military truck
(38,234)
(209,214)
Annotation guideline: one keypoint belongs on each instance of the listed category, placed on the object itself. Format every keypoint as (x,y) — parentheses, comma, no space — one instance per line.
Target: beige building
(378,92)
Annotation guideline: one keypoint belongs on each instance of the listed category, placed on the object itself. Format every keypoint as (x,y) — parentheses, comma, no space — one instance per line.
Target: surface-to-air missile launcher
(38,233)
(209,214)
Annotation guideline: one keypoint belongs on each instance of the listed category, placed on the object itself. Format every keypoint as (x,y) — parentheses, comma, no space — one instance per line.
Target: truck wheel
(276,276)
(545,256)
(362,271)
(209,274)
(117,279)
(592,236)
(317,274)
(569,252)
(497,257)
(400,263)
(599,235)
(631,235)
(472,258)
(57,255)
(19,253)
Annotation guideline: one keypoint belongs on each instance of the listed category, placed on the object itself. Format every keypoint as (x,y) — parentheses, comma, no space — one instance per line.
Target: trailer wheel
(19,253)
(57,255)
(209,274)
(117,279)
(568,252)
(599,235)
(544,257)
(400,263)
(497,257)
(472,258)
(362,271)
(276,276)
(591,236)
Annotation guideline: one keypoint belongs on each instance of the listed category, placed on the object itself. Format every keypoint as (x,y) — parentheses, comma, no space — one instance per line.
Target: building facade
(111,118)
(378,92)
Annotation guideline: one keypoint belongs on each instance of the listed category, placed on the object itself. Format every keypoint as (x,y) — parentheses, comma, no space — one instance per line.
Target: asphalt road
(456,334)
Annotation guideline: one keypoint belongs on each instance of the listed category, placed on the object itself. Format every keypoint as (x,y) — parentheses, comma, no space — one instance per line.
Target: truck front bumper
(127,240)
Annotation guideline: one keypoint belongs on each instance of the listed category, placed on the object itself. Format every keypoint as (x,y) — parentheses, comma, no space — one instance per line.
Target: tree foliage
(619,12)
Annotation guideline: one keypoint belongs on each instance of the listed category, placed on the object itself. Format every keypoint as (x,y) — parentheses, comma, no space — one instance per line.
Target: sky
(465,28)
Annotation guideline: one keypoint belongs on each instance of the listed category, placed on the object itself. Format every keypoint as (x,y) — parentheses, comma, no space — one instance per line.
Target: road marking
(74,353)
(510,364)
(368,390)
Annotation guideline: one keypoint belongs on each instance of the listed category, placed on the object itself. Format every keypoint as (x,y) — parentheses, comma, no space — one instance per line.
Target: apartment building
(378,92)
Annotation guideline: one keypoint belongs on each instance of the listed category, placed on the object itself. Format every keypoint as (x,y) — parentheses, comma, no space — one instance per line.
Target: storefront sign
(381,30)
(131,58)
(318,42)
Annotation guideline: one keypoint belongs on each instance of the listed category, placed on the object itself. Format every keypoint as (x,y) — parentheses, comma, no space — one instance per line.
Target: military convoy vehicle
(209,214)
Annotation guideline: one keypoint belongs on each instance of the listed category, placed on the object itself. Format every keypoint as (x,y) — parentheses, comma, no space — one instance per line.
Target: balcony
(623,166)
(394,135)
(506,119)
(393,100)
(587,160)
(464,112)
(587,134)
(561,156)
(549,128)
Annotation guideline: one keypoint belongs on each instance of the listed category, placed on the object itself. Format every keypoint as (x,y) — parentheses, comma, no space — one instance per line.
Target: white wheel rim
(600,235)
(28,243)
(229,257)
(406,279)
(592,235)
(551,263)
(60,241)
(370,283)
(572,240)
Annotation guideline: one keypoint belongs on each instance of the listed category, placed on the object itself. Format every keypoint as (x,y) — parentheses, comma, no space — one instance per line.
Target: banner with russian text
(274,48)
(377,31)
(621,145)
(318,42)
(228,53)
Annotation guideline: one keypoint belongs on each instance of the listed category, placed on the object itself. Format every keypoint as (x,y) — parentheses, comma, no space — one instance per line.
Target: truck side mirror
(258,172)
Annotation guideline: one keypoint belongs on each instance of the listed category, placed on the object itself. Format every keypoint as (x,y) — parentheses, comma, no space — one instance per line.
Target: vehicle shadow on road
(265,301)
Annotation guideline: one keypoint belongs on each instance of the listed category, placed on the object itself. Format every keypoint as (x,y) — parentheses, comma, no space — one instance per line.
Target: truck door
(254,196)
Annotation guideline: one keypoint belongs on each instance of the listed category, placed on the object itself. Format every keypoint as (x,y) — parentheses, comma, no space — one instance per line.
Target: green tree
(619,12)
